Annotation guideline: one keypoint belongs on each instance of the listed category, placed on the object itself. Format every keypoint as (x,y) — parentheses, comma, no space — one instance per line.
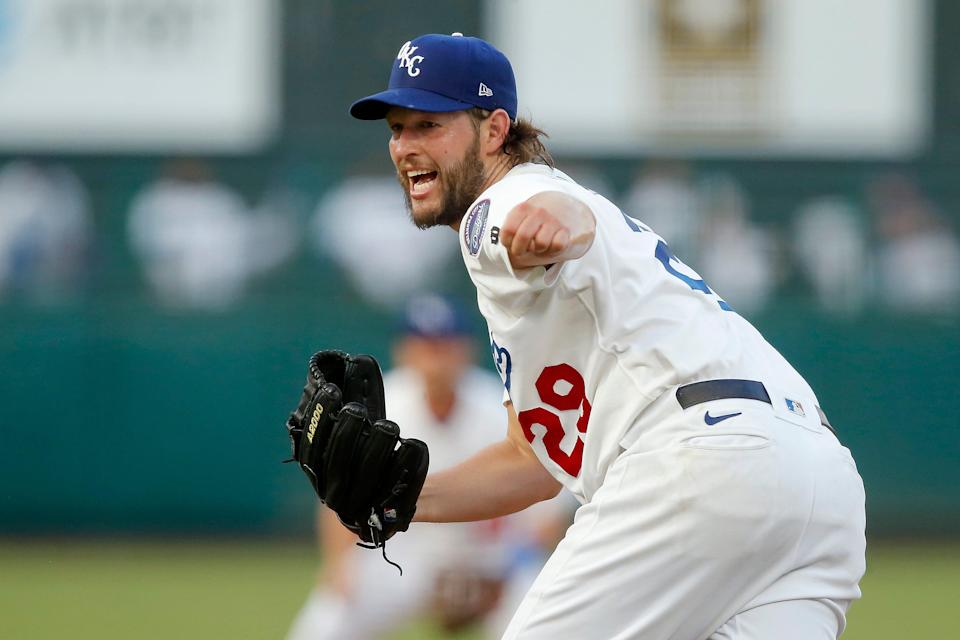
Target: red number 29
(574,398)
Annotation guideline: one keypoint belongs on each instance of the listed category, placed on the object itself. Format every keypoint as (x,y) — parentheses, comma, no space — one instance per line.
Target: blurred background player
(200,245)
(46,231)
(366,253)
(462,574)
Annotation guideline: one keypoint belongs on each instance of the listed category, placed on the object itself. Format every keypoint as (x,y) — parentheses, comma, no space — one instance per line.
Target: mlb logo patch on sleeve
(795,407)
(476,223)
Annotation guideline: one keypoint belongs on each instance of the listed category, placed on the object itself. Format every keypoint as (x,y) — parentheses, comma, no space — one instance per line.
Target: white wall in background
(780,77)
(138,75)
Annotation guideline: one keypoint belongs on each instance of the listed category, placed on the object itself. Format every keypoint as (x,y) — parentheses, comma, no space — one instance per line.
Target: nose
(402,145)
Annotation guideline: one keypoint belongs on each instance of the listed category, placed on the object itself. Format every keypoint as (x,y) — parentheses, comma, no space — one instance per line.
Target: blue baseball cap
(434,316)
(440,74)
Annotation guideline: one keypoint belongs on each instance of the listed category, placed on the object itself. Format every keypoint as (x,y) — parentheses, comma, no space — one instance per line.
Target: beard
(459,187)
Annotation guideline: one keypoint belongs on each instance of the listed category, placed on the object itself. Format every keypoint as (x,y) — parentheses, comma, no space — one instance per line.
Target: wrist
(422,511)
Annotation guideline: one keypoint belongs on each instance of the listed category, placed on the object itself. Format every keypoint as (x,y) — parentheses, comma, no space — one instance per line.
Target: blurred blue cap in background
(434,316)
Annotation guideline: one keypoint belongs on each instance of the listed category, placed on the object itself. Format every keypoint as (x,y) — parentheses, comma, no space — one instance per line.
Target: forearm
(497,481)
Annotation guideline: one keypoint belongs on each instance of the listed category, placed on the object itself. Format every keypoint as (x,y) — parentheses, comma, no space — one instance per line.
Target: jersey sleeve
(485,256)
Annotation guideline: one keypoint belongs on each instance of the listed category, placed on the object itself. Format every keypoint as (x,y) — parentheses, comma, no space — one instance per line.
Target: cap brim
(375,107)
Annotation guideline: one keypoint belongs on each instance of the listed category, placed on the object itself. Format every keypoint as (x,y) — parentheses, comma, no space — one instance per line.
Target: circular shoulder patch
(476,223)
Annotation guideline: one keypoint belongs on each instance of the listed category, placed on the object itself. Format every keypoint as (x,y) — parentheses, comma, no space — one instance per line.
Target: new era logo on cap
(441,74)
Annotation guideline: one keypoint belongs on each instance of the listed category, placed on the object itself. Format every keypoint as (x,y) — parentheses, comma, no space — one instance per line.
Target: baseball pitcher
(717,501)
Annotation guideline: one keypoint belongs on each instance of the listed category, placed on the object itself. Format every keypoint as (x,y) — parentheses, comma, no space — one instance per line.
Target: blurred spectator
(664,197)
(737,259)
(45,231)
(363,225)
(830,245)
(918,257)
(462,574)
(199,243)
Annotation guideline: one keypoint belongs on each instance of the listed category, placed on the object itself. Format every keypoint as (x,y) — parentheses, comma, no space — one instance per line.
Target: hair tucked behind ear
(523,142)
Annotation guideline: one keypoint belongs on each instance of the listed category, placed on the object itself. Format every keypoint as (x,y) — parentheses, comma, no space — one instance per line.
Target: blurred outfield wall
(117,416)
(121,419)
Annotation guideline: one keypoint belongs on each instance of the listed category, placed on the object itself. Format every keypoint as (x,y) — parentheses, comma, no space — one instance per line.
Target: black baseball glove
(353,456)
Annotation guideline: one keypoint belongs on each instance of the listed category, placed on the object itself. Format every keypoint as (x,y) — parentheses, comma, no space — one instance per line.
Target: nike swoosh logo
(711,420)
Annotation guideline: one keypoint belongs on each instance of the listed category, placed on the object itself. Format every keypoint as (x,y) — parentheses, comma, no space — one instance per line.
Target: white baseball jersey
(585,346)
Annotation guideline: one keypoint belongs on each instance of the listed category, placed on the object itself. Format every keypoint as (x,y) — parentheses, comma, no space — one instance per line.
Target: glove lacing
(376,526)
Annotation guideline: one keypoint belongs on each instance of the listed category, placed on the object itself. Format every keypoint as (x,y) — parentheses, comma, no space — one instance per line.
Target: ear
(494,131)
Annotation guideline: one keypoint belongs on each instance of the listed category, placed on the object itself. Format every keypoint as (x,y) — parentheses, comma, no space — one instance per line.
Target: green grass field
(250,590)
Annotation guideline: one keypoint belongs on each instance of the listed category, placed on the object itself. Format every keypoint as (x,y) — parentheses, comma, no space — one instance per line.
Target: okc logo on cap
(409,61)
(443,74)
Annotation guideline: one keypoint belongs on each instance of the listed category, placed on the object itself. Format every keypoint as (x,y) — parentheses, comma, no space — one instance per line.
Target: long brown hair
(523,142)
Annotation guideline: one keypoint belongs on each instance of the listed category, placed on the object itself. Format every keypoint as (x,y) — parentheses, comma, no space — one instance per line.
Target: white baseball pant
(749,529)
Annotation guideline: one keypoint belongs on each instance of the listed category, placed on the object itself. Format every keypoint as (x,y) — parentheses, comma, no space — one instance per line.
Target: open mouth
(421,181)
